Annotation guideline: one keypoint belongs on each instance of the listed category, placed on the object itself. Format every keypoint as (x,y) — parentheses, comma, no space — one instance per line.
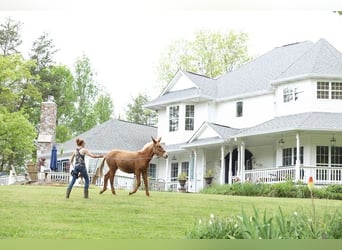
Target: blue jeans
(79,169)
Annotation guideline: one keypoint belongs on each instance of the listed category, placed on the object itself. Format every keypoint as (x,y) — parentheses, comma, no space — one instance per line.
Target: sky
(124,40)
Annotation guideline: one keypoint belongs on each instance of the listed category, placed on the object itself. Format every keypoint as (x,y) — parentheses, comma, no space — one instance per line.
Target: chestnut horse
(135,162)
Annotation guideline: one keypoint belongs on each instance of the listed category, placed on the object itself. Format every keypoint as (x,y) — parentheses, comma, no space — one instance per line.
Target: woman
(80,167)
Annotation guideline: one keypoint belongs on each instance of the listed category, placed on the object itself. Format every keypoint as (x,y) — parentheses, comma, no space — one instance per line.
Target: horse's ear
(154,140)
(159,139)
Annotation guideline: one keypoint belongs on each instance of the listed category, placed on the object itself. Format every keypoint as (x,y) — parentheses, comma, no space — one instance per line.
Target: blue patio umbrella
(53,159)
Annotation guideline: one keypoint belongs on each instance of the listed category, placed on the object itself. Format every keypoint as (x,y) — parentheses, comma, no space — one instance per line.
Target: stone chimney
(47,127)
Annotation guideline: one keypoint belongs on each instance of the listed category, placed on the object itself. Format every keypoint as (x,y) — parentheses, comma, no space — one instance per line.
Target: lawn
(42,212)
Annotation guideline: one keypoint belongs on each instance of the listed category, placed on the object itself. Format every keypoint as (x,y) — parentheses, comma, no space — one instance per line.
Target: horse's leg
(105,181)
(111,179)
(137,177)
(144,174)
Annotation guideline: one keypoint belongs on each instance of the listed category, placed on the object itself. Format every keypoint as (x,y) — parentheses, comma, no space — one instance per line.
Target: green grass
(42,212)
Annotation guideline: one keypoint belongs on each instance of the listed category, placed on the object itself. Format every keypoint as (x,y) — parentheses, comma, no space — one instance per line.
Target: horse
(135,162)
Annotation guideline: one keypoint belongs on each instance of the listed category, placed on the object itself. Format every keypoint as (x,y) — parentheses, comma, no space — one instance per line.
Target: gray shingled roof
(256,75)
(206,89)
(113,134)
(321,59)
(317,121)
(206,85)
(175,96)
(224,133)
(293,60)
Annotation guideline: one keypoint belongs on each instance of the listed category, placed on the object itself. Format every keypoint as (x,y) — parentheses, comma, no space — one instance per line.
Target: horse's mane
(145,146)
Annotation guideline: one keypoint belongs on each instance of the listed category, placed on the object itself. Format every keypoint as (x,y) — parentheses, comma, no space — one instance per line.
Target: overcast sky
(124,41)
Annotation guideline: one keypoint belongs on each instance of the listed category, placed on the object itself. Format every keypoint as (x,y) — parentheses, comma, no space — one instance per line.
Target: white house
(277,117)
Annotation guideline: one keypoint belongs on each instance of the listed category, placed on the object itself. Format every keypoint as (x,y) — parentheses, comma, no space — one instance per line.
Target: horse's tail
(98,172)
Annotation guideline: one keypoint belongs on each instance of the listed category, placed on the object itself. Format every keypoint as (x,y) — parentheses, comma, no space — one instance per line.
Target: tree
(10,36)
(210,53)
(16,139)
(137,114)
(103,108)
(17,91)
(85,89)
(42,52)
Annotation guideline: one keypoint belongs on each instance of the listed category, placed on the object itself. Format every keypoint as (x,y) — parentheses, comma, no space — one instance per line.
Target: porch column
(230,174)
(195,170)
(166,173)
(297,171)
(222,166)
(242,161)
(238,167)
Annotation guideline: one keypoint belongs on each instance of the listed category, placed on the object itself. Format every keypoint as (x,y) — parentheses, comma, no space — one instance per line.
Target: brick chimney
(47,127)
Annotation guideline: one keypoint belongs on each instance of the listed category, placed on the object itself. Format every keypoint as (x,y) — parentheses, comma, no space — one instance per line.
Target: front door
(248,160)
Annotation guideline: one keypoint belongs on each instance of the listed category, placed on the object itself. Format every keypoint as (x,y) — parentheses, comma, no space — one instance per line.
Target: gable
(179,82)
(208,132)
(204,132)
(183,83)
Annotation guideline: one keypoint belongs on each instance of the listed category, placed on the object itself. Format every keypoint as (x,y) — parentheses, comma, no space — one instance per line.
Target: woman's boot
(86,193)
(68,193)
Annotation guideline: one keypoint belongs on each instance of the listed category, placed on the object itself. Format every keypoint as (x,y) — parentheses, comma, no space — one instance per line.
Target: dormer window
(173,118)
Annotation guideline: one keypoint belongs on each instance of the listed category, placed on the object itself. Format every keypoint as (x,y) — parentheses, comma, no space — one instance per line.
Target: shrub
(334,188)
(285,189)
(262,226)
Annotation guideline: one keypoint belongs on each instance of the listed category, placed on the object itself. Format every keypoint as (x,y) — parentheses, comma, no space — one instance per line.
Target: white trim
(304,76)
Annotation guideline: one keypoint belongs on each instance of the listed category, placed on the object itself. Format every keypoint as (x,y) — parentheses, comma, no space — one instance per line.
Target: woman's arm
(86,152)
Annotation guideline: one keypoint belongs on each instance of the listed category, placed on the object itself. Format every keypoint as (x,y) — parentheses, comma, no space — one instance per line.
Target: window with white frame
(189,117)
(152,170)
(287,94)
(336,156)
(174,171)
(322,155)
(290,156)
(173,118)
(329,90)
(287,156)
(239,109)
(185,168)
(336,90)
(322,90)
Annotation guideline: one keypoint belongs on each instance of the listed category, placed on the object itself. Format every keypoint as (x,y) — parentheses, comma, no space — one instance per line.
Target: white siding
(180,136)
(252,115)
(307,99)
(264,156)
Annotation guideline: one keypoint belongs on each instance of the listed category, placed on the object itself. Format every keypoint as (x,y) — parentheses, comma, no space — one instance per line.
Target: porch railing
(120,181)
(321,175)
